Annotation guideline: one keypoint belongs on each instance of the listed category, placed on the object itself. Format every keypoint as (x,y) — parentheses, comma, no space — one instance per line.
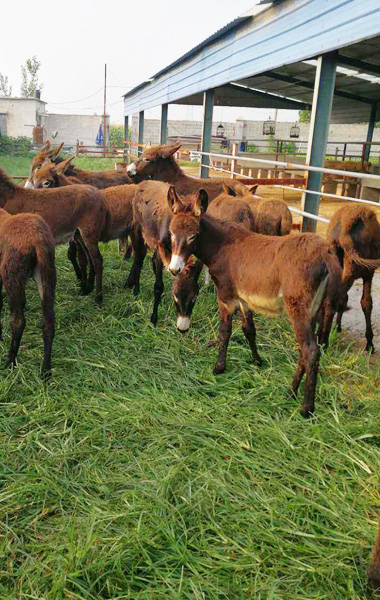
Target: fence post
(208,105)
(234,152)
(319,130)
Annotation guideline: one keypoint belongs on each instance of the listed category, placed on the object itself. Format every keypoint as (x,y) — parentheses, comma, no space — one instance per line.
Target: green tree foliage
(304,116)
(29,78)
(5,88)
(20,146)
(116,135)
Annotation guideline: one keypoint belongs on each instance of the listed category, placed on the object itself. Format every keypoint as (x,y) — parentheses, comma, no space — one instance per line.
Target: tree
(304,116)
(29,78)
(5,90)
(116,135)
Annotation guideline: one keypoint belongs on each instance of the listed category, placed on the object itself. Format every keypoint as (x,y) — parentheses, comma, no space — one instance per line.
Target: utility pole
(104,111)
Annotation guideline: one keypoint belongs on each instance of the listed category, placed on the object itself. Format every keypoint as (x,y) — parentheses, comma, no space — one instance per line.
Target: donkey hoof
(370,348)
(306,413)
(258,361)
(136,290)
(8,363)
(129,284)
(219,369)
(153,320)
(99,298)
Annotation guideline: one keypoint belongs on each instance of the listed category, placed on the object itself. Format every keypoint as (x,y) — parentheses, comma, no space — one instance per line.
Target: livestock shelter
(286,54)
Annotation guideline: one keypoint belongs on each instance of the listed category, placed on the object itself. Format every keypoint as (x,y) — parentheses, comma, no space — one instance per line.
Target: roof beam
(360,65)
(310,86)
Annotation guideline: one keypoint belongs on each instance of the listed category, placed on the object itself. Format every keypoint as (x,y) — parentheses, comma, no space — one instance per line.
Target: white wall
(72,128)
(22,115)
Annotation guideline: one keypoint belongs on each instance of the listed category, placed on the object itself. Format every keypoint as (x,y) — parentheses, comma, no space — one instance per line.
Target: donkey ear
(55,151)
(168,151)
(253,188)
(45,147)
(228,189)
(62,166)
(174,201)
(201,203)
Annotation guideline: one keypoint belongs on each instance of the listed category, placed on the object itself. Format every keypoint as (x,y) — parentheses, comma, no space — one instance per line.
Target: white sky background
(74,39)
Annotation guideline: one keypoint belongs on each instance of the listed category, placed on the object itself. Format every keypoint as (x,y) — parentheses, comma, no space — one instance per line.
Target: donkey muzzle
(176,264)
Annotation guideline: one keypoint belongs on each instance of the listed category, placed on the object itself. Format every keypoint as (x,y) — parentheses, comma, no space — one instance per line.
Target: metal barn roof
(265,53)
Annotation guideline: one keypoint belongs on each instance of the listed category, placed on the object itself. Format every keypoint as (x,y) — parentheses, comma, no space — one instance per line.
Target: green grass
(138,474)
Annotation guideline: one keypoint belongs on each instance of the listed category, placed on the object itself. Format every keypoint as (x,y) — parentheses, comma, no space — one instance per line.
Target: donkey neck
(7,188)
(213,237)
(170,172)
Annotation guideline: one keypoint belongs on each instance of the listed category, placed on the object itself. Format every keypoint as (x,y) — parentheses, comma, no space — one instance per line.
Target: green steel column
(371,127)
(141,133)
(164,124)
(319,131)
(208,105)
(126,137)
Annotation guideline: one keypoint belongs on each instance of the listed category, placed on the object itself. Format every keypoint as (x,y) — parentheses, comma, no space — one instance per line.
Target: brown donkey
(354,234)
(45,154)
(152,218)
(27,250)
(44,174)
(263,274)
(269,217)
(158,163)
(66,210)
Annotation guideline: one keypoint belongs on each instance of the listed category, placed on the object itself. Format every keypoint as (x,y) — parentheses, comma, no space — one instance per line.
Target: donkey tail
(330,285)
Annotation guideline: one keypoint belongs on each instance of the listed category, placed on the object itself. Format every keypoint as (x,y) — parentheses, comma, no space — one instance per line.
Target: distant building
(18,117)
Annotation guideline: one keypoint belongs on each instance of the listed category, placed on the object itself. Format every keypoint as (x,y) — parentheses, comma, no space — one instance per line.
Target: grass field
(138,474)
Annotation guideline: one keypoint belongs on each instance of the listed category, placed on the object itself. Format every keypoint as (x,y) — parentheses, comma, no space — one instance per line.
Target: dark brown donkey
(269,217)
(27,250)
(99,179)
(158,162)
(354,234)
(152,218)
(260,273)
(66,210)
(118,201)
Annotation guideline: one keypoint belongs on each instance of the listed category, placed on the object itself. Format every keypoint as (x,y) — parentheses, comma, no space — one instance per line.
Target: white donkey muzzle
(28,184)
(183,324)
(176,264)
(131,169)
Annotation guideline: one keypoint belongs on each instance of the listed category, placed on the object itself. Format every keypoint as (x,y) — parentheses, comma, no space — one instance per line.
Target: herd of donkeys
(256,261)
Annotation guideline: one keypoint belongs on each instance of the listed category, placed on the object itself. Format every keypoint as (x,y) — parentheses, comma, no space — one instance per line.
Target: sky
(74,39)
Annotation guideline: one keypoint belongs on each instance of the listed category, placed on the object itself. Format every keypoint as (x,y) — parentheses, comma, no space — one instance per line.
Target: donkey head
(185,291)
(151,162)
(184,228)
(45,154)
(48,175)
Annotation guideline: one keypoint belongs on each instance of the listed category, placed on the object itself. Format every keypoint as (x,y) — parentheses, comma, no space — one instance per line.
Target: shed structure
(290,54)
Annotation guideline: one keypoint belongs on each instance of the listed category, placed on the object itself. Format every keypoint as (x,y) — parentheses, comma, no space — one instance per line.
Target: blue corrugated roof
(229,27)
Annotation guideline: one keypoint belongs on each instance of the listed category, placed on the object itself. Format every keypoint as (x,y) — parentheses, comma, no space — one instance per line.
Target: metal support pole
(126,137)
(208,105)
(319,131)
(371,127)
(164,124)
(141,133)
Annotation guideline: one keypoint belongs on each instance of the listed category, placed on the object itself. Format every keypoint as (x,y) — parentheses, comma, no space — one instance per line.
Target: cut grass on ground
(137,474)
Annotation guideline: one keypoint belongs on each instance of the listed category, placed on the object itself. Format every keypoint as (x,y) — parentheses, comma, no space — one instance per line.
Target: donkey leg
(326,324)
(373,569)
(16,302)
(297,378)
(225,330)
(48,319)
(72,256)
(97,263)
(311,354)
(158,285)
(140,249)
(366,302)
(249,331)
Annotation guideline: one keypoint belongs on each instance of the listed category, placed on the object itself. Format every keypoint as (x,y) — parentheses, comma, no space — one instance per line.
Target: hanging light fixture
(295,131)
(220,130)
(269,127)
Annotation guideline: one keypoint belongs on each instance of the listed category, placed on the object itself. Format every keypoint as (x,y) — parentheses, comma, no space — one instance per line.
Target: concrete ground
(353,321)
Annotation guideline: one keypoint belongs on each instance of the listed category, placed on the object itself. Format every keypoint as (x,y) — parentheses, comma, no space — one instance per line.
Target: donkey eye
(46,184)
(147,160)
(190,239)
